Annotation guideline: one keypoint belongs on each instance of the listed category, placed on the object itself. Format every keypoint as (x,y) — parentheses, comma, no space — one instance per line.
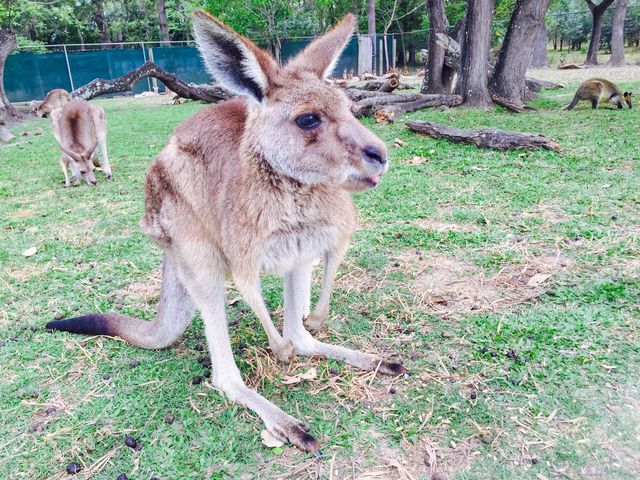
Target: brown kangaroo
(79,128)
(598,90)
(56,98)
(256,184)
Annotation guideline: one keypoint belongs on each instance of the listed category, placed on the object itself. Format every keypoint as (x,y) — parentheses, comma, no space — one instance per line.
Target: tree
(433,81)
(508,80)
(596,27)
(539,56)
(7,45)
(162,21)
(371,27)
(474,63)
(617,34)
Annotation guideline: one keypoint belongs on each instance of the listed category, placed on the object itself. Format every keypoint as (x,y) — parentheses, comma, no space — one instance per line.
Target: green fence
(29,76)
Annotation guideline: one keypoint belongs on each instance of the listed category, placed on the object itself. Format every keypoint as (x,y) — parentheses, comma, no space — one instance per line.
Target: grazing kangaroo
(56,98)
(256,184)
(79,128)
(598,90)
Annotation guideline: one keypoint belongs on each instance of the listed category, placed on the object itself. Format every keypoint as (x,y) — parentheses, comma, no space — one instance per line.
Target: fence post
(154,81)
(66,57)
(144,56)
(394,46)
(380,57)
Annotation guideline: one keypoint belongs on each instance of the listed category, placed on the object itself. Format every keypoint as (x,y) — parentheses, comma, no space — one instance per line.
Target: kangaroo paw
(290,430)
(313,323)
(283,350)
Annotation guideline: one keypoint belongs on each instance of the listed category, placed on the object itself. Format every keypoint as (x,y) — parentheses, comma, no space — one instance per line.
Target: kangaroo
(57,98)
(598,90)
(257,184)
(79,128)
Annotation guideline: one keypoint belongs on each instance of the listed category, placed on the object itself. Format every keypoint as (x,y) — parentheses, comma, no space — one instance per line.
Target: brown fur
(598,90)
(57,98)
(80,128)
(247,187)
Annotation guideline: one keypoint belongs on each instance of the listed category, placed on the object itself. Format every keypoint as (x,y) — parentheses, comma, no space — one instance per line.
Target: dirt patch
(444,227)
(548,213)
(143,293)
(448,287)
(629,73)
(29,271)
(22,214)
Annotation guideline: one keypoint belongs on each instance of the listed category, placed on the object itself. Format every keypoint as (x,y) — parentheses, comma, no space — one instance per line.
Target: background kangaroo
(257,184)
(56,98)
(79,128)
(597,90)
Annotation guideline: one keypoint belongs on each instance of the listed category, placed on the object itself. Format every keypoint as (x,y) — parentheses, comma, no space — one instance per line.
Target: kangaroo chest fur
(200,183)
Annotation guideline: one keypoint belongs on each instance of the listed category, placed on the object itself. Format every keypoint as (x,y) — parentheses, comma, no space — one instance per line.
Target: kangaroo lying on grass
(79,128)
(255,184)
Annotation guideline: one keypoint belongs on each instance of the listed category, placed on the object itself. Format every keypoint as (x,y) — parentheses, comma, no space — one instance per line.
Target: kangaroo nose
(374,155)
(93,182)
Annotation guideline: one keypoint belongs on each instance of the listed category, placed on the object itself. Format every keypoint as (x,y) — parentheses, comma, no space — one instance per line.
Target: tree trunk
(617,34)
(7,45)
(475,54)
(162,21)
(433,80)
(508,80)
(539,57)
(594,44)
(371,30)
(101,23)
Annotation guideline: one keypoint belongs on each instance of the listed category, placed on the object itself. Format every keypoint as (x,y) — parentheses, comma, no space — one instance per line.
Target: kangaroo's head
(299,124)
(627,99)
(81,164)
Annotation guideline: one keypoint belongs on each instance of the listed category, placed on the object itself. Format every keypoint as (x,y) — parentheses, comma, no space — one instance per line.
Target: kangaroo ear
(232,59)
(321,56)
(625,94)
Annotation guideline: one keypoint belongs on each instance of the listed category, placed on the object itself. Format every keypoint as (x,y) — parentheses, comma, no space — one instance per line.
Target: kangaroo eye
(308,121)
(82,172)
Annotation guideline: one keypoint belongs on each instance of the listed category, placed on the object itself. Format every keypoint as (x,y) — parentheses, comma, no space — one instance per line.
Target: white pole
(144,56)
(154,81)
(394,47)
(66,57)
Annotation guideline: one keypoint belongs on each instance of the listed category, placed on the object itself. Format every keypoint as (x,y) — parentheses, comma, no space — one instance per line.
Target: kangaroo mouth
(364,181)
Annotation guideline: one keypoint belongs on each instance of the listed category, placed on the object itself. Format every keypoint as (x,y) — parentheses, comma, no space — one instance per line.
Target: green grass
(501,387)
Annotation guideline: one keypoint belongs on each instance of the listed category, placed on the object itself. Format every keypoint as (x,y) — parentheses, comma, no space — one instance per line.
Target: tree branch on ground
(126,82)
(485,138)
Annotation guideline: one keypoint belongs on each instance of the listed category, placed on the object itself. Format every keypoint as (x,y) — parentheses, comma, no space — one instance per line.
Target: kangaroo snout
(374,155)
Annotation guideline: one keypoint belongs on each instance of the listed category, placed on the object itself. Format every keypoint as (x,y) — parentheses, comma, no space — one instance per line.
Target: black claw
(318,455)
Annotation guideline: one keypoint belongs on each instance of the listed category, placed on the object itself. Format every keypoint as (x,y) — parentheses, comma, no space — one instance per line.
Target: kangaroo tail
(175,311)
(93,324)
(573,102)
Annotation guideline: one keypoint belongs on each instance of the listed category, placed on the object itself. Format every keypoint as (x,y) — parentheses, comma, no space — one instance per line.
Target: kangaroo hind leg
(295,286)
(175,312)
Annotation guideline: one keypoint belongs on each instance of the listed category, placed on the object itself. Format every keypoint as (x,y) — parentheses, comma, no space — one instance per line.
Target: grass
(509,283)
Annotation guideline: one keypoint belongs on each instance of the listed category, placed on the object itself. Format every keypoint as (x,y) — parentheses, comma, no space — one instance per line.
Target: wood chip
(29,252)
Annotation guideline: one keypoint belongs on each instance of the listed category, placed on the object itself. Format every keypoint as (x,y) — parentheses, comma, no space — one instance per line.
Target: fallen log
(430,101)
(368,106)
(485,138)
(125,83)
(570,66)
(390,85)
(514,107)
